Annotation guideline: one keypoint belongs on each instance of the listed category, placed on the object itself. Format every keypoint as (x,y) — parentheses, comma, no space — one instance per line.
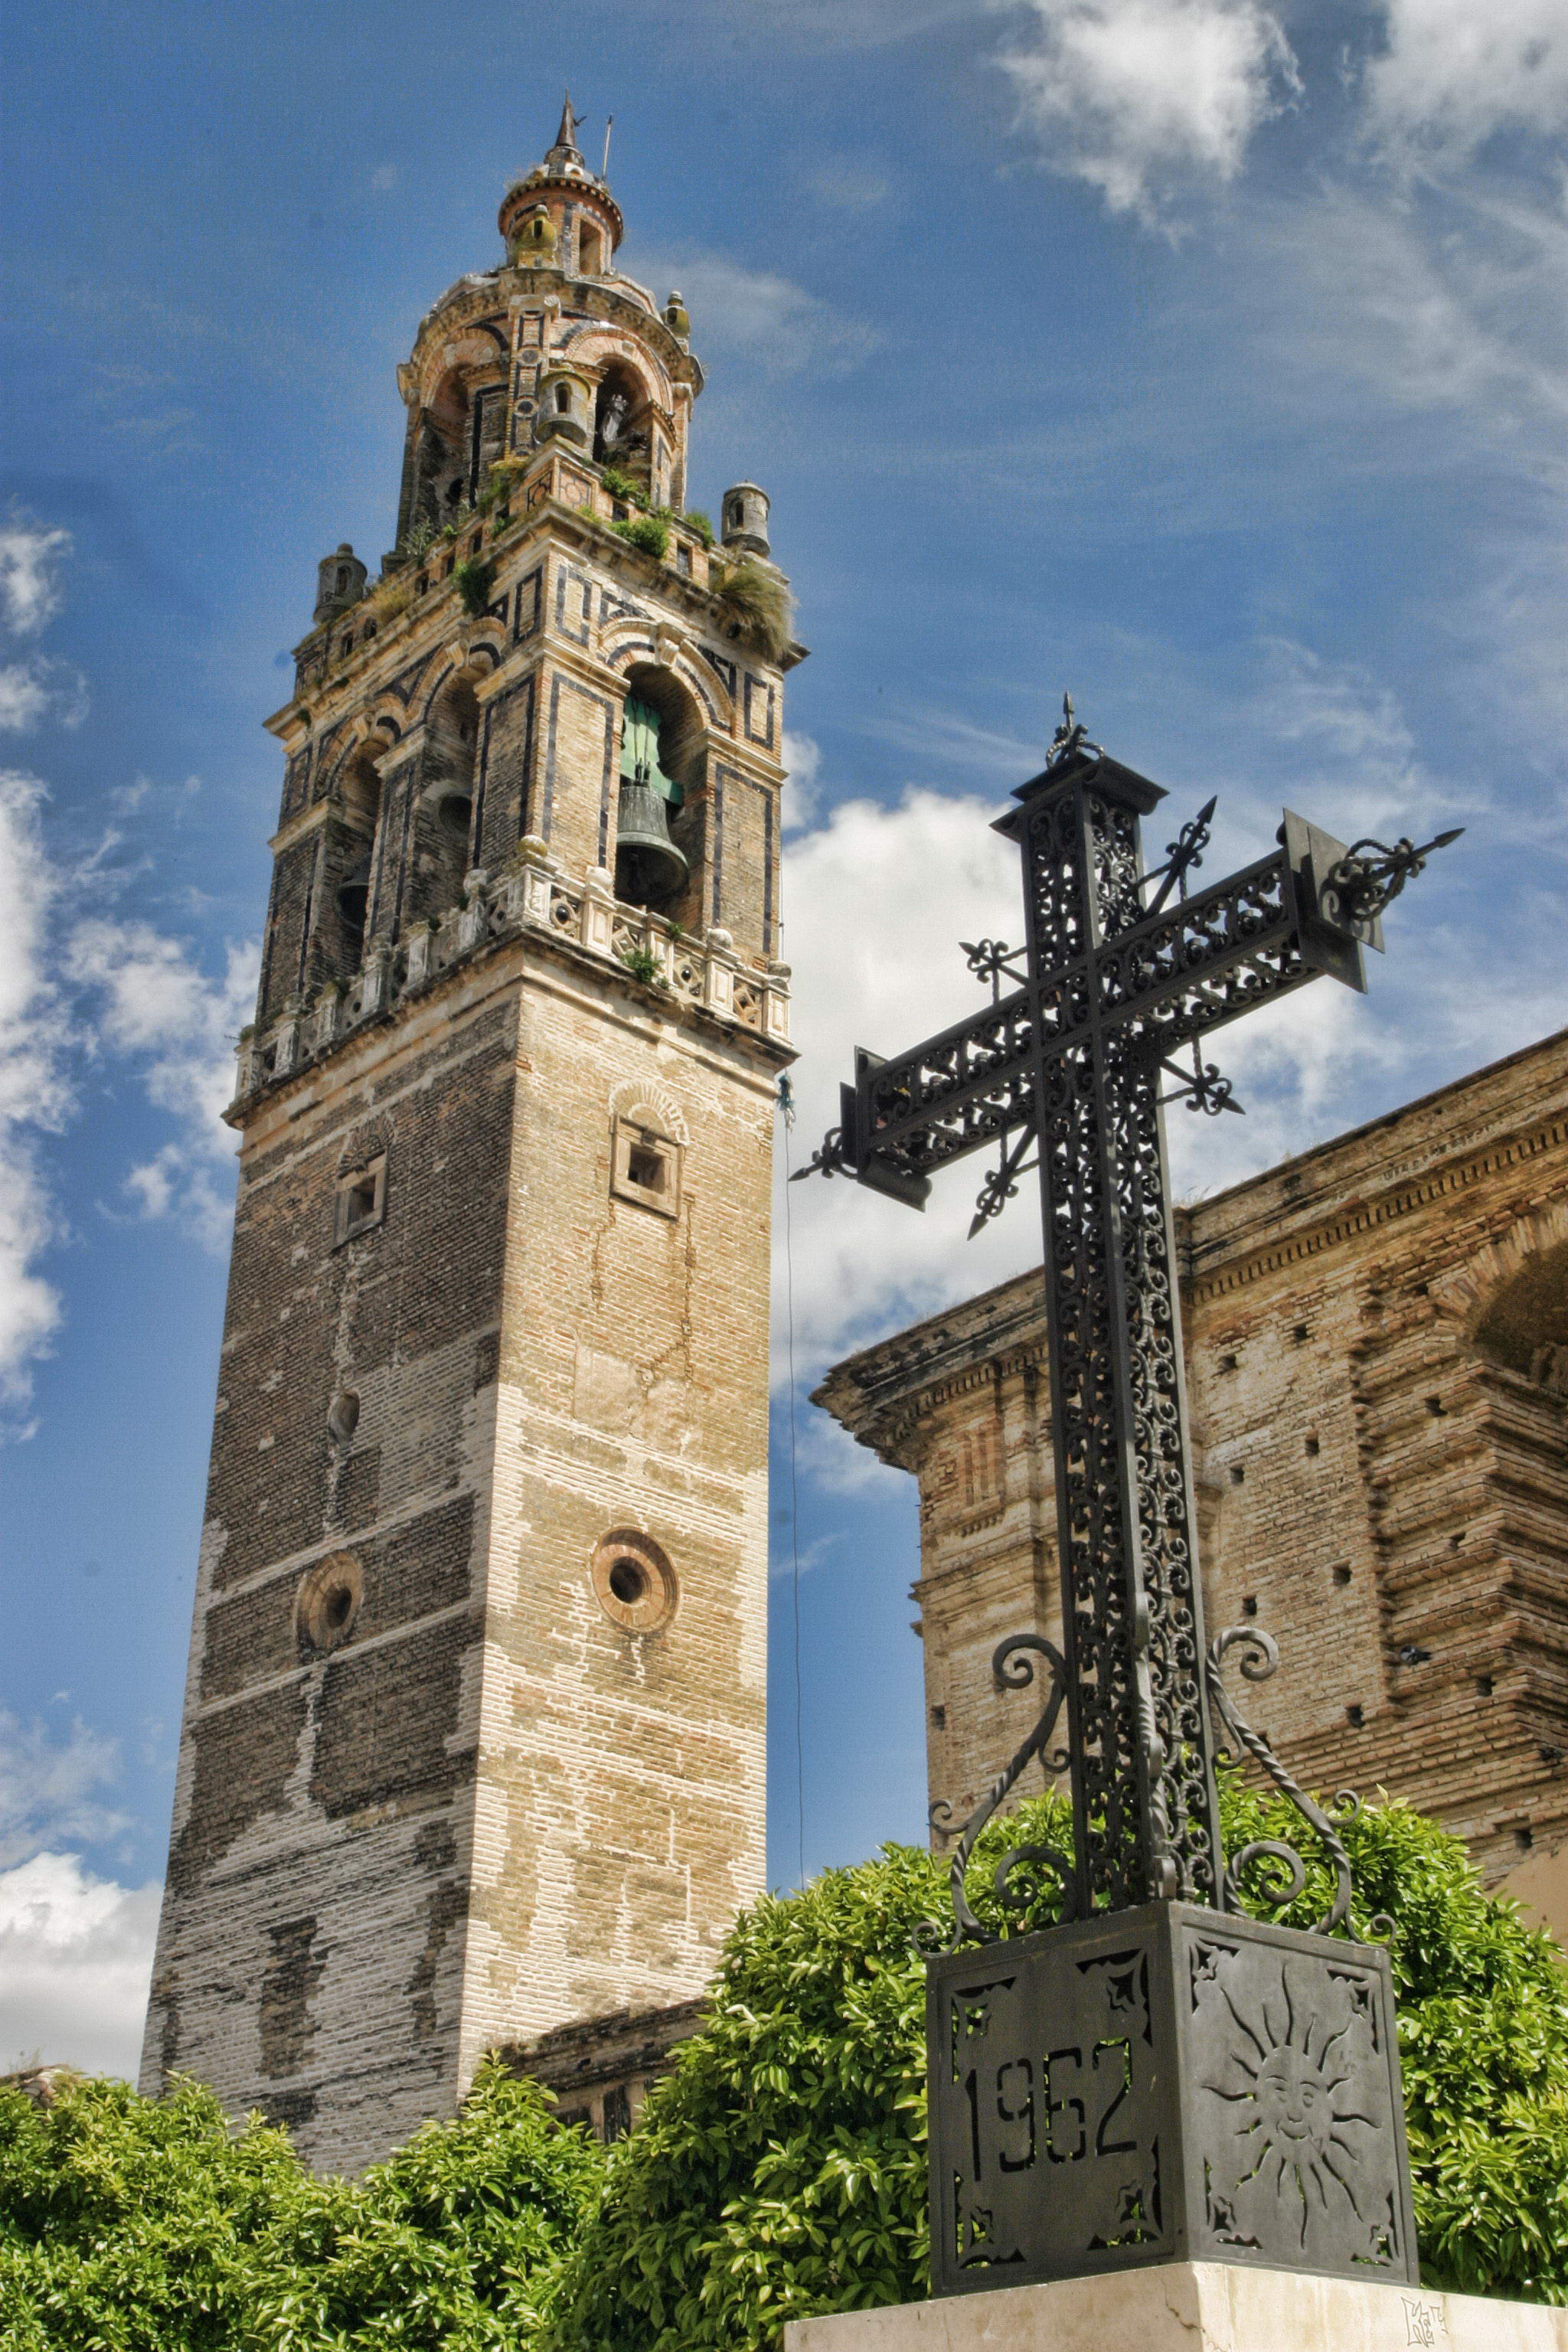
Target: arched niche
(681,734)
(461,433)
(1522,1326)
(444,814)
(622,423)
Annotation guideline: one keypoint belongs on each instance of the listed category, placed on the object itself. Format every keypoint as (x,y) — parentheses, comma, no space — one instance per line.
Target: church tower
(473,1739)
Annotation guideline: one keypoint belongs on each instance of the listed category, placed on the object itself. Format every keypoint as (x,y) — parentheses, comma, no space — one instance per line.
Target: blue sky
(1206,357)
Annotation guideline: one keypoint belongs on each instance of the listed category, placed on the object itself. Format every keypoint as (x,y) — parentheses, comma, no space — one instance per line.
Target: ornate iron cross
(1158,2077)
(1122,970)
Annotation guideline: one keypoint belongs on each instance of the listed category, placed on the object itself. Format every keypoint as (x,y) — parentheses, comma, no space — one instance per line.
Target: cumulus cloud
(36,1095)
(159,1010)
(1145,98)
(123,990)
(76,1955)
(76,1950)
(875,901)
(803,762)
(31,555)
(32,692)
(1451,75)
(51,1787)
(768,320)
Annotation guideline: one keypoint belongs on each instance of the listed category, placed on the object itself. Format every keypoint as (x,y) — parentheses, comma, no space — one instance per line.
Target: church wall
(1375,1486)
(621,1806)
(327,1783)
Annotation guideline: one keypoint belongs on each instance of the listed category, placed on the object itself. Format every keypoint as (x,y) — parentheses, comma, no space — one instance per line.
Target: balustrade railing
(690,969)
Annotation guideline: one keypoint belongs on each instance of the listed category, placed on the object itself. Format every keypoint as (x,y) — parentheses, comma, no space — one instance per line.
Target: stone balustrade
(532,896)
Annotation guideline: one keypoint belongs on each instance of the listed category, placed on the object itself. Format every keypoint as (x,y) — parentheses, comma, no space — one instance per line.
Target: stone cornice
(883,1393)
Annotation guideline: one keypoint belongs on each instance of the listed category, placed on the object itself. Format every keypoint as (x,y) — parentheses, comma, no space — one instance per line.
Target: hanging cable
(786,1106)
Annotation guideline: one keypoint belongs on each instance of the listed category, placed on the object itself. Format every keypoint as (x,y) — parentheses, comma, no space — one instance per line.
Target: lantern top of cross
(1122,969)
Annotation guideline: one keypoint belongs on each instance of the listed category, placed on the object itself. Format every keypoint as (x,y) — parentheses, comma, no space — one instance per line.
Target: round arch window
(328,1601)
(633,1580)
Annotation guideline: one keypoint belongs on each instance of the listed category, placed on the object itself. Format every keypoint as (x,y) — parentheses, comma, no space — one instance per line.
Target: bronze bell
(648,866)
(354,899)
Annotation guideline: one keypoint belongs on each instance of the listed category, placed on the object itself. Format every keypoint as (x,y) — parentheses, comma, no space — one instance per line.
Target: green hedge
(779,2171)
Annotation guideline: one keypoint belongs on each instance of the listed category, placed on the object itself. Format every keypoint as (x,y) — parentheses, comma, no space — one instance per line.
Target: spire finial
(570,123)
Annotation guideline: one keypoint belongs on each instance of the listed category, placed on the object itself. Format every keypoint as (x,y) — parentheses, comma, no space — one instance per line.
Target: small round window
(328,1601)
(633,1580)
(342,1415)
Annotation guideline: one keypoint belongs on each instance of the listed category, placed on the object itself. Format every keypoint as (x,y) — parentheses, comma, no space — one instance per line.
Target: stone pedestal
(1165,2084)
(1194,2307)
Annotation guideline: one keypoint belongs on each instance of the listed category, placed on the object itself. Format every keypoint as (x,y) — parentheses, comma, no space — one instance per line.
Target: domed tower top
(562,213)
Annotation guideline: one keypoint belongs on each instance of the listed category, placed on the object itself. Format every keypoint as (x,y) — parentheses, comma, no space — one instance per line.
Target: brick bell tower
(473,1738)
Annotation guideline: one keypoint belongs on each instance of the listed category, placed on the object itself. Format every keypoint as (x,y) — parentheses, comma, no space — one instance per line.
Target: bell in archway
(354,905)
(648,866)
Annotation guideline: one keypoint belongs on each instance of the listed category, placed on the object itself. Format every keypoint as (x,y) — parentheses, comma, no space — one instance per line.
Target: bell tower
(473,1738)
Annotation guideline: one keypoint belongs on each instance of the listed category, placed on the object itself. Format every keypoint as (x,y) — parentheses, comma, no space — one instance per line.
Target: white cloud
(49,1787)
(1346,745)
(31,691)
(160,1009)
(803,762)
(383,177)
(1453,74)
(35,1091)
(76,1955)
(774,323)
(31,554)
(875,902)
(1141,97)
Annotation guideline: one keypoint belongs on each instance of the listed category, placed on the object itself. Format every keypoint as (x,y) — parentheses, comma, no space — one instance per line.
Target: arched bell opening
(663,743)
(445,815)
(462,432)
(359,796)
(590,250)
(621,433)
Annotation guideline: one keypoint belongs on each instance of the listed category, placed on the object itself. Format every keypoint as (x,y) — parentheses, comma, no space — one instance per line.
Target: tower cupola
(560,214)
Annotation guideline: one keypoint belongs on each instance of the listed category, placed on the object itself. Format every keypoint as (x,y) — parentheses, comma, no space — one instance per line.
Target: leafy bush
(620,485)
(755,603)
(696,520)
(501,481)
(473,580)
(648,531)
(780,2169)
(147,2226)
(643,964)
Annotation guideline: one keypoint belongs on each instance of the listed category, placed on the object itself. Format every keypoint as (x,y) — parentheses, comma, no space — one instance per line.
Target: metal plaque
(1169,2083)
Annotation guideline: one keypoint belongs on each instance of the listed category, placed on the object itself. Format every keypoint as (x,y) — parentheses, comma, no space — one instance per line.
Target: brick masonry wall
(490,1808)
(1376,1342)
(440,1785)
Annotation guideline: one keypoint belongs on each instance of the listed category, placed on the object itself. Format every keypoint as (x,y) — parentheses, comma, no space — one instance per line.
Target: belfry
(473,1739)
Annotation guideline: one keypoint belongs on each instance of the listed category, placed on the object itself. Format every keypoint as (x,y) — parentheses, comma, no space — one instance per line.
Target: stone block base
(1192,2307)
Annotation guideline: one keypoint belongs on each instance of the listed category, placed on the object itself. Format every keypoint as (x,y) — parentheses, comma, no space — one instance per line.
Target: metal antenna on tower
(609,126)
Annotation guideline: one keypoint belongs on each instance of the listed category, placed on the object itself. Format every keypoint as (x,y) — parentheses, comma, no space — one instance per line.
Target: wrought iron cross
(1122,970)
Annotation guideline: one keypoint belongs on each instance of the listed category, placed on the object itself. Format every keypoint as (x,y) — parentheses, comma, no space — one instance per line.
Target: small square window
(361,1199)
(645,1168)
